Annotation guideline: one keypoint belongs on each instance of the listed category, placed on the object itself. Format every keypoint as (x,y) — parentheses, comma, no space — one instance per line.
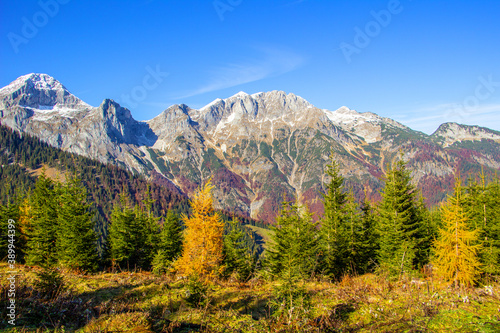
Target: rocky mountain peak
(240,94)
(450,133)
(39,92)
(256,147)
(277,99)
(34,81)
(111,108)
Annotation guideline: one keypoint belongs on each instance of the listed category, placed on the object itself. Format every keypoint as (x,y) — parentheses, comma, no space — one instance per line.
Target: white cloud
(273,62)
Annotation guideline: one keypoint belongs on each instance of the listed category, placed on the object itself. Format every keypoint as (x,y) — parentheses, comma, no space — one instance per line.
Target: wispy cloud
(272,62)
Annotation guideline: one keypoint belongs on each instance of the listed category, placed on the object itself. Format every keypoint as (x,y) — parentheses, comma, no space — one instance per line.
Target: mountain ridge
(257,148)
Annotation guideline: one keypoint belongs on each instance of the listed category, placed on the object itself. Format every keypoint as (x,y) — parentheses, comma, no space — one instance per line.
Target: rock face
(256,148)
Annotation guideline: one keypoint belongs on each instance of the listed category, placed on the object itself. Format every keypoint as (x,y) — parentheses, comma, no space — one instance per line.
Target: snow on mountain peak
(345,109)
(344,115)
(241,94)
(44,81)
(214,102)
(39,82)
(40,92)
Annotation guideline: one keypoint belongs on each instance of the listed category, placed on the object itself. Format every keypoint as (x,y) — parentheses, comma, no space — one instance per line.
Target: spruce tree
(128,236)
(237,259)
(333,224)
(427,232)
(456,248)
(368,237)
(481,203)
(490,254)
(77,240)
(359,237)
(295,237)
(42,236)
(152,228)
(170,243)
(400,223)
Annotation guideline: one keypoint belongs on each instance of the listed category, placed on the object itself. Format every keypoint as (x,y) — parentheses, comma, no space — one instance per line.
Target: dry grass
(143,302)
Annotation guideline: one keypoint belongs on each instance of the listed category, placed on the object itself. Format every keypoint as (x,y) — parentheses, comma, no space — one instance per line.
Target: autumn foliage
(203,238)
(456,247)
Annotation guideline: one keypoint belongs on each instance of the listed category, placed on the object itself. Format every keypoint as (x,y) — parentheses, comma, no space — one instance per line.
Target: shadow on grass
(73,311)
(258,308)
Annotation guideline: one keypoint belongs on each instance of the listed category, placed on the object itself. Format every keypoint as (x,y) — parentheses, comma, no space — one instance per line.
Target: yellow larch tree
(203,238)
(25,217)
(456,248)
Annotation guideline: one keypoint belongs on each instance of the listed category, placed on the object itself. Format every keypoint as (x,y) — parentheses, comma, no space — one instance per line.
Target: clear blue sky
(421,63)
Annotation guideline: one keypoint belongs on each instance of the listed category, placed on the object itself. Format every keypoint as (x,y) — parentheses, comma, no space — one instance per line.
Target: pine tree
(202,247)
(427,232)
(170,243)
(400,224)
(77,240)
(42,236)
(333,224)
(128,237)
(456,247)
(368,238)
(482,202)
(152,228)
(359,237)
(237,259)
(295,237)
(490,255)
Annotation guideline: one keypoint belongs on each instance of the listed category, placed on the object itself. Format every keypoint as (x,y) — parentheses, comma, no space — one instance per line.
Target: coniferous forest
(99,249)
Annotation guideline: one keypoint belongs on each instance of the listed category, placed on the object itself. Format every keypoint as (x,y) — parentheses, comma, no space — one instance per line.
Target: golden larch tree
(456,247)
(203,238)
(25,217)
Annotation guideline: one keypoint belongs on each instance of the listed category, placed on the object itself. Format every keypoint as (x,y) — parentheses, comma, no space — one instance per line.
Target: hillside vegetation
(391,265)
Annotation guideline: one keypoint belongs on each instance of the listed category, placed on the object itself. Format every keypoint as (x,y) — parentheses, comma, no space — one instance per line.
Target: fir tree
(237,259)
(170,243)
(427,232)
(152,228)
(295,236)
(42,236)
(456,247)
(482,202)
(359,237)
(490,255)
(333,224)
(202,246)
(368,238)
(128,237)
(400,224)
(77,240)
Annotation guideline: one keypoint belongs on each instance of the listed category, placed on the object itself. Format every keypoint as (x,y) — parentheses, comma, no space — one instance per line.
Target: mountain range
(257,149)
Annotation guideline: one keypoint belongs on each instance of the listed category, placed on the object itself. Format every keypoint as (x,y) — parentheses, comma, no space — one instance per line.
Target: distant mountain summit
(40,105)
(256,148)
(40,92)
(448,134)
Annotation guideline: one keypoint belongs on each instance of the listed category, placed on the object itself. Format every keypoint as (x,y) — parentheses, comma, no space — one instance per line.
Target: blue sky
(419,62)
